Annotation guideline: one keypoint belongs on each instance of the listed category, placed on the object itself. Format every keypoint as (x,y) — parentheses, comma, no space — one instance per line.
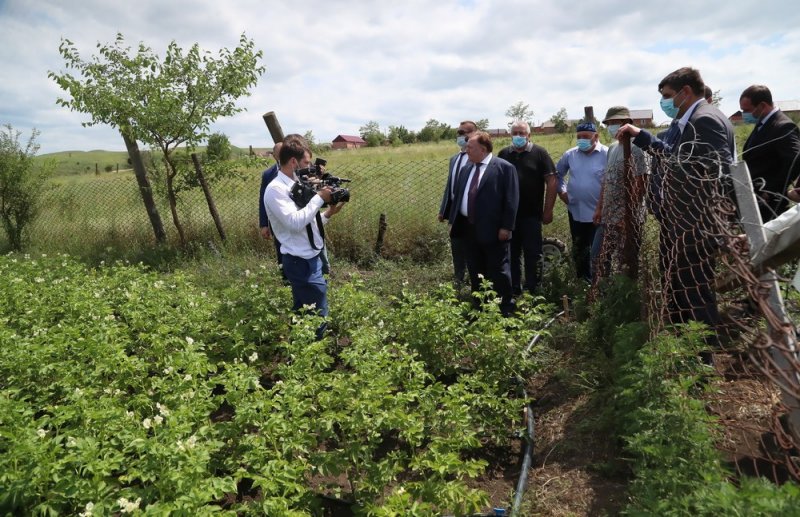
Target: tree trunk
(144,189)
(212,207)
(173,201)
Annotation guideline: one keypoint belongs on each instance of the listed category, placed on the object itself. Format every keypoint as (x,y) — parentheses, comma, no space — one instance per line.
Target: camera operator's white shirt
(289,222)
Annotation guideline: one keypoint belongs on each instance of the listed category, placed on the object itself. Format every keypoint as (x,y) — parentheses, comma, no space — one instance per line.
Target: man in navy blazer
(695,155)
(772,151)
(483,214)
(465,130)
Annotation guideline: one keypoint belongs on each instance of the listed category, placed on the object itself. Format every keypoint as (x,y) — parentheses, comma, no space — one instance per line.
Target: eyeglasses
(461,132)
(519,133)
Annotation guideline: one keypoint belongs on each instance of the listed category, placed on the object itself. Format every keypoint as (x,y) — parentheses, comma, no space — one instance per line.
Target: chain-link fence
(682,250)
(83,215)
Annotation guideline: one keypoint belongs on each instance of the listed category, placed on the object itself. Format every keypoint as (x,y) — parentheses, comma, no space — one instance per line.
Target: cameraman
(299,230)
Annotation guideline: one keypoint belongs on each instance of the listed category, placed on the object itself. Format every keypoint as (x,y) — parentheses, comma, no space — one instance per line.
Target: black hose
(528,458)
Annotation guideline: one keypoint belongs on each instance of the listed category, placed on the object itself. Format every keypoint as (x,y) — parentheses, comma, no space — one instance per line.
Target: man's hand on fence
(265,233)
(794,194)
(627,129)
(547,216)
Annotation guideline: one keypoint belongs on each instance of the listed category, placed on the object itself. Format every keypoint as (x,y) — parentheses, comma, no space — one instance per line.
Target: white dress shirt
(289,222)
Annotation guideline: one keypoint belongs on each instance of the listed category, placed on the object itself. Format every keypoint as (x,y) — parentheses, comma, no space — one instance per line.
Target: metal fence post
(753,227)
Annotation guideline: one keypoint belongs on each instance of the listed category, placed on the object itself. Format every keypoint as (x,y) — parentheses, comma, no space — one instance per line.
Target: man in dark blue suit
(483,214)
(694,156)
(263,221)
(772,151)
(465,130)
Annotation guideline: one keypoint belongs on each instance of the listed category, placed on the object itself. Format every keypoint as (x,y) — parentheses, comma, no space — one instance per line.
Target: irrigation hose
(528,458)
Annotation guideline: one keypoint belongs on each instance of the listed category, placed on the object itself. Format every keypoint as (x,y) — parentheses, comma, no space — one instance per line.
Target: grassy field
(93,214)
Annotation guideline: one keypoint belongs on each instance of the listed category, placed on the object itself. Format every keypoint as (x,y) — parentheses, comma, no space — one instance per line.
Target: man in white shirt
(300,230)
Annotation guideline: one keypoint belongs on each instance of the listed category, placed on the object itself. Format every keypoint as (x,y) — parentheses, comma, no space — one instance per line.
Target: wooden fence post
(273,126)
(212,207)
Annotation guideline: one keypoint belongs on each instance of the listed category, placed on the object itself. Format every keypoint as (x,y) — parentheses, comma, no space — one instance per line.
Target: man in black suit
(772,151)
(483,214)
(459,160)
(693,161)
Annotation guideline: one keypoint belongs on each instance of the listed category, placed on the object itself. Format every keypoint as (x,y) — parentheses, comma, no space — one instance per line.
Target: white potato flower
(87,511)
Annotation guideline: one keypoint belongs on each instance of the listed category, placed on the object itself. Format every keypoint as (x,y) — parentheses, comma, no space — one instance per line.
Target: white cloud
(333,65)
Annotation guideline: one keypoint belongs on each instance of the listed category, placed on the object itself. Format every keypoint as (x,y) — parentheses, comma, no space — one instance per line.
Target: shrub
(21,183)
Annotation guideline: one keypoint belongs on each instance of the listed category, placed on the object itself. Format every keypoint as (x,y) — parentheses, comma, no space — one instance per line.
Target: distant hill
(69,163)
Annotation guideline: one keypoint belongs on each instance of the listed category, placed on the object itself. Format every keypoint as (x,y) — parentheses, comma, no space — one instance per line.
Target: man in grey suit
(459,160)
(772,151)
(483,214)
(694,160)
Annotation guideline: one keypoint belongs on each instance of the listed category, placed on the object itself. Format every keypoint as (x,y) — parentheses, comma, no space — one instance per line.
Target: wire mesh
(689,239)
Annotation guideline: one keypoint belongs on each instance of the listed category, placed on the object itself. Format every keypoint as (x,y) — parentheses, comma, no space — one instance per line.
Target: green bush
(21,184)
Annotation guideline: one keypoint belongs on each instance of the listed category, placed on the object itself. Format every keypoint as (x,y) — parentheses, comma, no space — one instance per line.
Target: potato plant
(128,391)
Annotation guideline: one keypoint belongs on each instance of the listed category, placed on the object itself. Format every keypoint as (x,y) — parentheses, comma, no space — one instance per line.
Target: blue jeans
(308,285)
(526,240)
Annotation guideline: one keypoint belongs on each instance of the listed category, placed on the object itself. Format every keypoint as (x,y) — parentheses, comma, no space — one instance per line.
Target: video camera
(313,178)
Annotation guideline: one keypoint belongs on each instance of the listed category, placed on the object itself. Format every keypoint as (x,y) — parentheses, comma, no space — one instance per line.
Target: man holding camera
(299,230)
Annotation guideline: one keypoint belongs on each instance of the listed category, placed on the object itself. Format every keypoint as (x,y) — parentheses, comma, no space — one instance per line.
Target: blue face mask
(668,105)
(612,129)
(584,144)
(519,141)
(749,118)
(461,141)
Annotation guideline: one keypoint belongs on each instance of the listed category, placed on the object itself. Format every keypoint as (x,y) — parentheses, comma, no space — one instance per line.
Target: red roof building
(348,142)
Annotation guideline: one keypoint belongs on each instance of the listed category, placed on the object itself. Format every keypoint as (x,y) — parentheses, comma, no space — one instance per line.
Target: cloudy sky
(332,66)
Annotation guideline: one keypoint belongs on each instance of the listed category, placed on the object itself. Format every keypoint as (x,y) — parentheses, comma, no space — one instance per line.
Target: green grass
(90,214)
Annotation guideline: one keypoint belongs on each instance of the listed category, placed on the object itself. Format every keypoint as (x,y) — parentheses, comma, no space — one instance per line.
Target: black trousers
(492,261)
(688,271)
(582,239)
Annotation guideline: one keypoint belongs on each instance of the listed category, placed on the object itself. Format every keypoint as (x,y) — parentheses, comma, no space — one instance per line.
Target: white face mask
(612,129)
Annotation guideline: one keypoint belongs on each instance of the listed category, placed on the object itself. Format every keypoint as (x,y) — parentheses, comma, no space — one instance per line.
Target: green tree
(400,135)
(162,103)
(21,183)
(218,148)
(716,98)
(519,111)
(483,124)
(560,121)
(434,131)
(372,134)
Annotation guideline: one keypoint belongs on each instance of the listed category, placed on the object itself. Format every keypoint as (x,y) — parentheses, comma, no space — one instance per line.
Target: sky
(332,66)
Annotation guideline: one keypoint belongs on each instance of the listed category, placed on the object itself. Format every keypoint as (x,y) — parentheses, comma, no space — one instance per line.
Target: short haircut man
(696,152)
(772,151)
(685,76)
(299,229)
(459,160)
(537,194)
